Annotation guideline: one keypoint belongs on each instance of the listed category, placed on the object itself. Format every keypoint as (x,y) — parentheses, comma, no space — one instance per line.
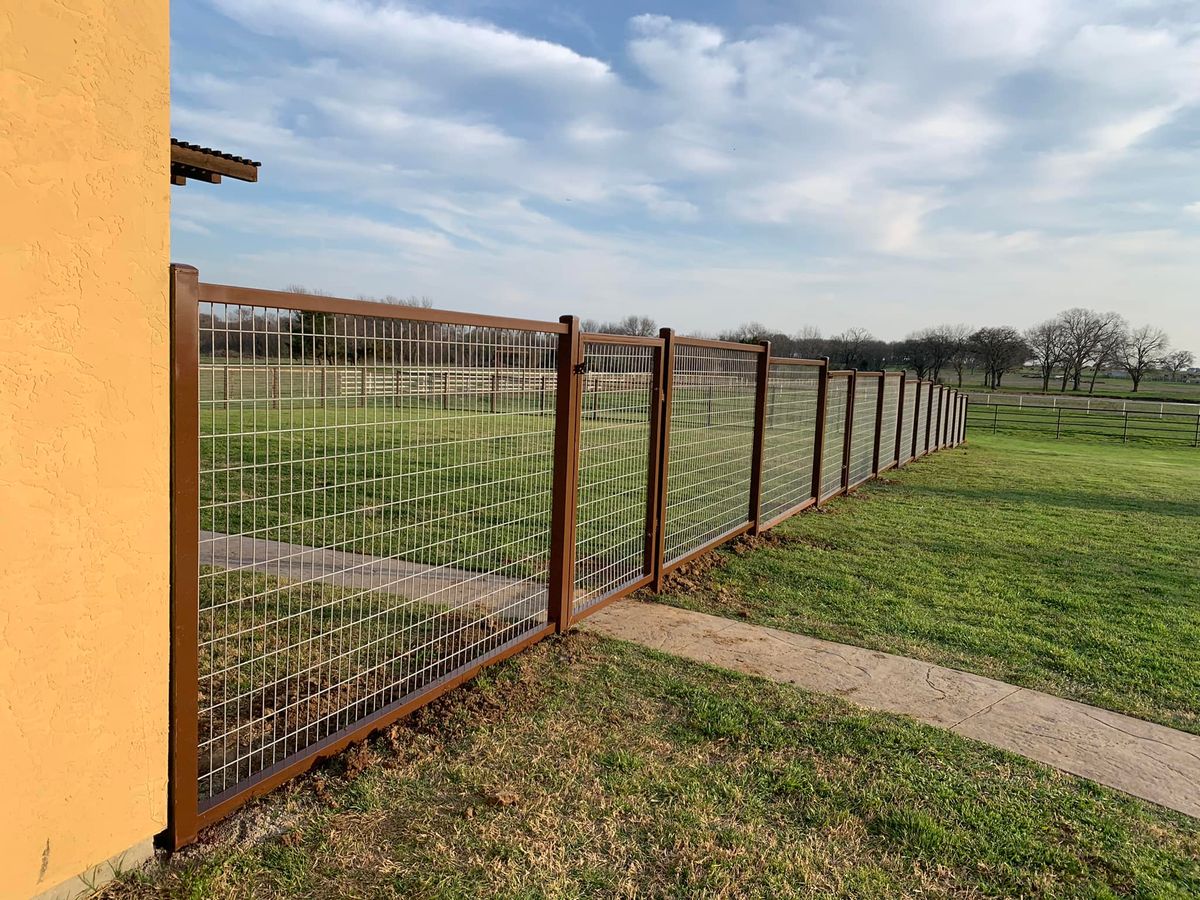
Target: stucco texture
(84,492)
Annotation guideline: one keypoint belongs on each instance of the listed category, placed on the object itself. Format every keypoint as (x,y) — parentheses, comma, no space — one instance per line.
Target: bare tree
(849,347)
(1176,361)
(961,354)
(1085,334)
(1142,350)
(1108,349)
(808,343)
(1046,346)
(747,333)
(929,350)
(640,326)
(999,350)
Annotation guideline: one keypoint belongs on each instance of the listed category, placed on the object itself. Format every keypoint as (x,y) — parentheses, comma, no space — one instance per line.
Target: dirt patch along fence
(372,502)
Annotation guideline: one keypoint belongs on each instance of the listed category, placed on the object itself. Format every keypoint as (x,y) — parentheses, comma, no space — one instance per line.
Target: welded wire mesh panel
(375,504)
(928,399)
(908,422)
(711,446)
(862,438)
(788,450)
(614,458)
(834,451)
(890,421)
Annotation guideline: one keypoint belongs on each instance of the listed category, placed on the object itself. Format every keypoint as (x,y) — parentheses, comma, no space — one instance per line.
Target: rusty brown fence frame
(925,433)
(822,367)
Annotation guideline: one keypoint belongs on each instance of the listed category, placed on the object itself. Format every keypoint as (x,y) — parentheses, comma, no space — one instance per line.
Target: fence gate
(619,438)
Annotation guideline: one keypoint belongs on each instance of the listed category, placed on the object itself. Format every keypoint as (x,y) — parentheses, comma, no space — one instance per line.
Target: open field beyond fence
(1153,424)
(1068,567)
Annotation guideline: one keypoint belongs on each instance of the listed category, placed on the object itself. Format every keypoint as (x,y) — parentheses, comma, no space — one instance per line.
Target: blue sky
(888,165)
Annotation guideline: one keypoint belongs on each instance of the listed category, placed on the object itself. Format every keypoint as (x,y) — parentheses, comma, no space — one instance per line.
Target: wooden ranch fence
(372,502)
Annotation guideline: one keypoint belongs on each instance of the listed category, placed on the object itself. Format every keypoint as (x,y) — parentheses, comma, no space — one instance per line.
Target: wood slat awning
(205,164)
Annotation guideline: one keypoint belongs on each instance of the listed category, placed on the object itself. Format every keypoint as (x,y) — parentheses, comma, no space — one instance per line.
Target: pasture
(1066,566)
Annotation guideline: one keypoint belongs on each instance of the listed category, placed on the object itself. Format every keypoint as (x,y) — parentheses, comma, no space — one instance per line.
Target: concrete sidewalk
(1146,760)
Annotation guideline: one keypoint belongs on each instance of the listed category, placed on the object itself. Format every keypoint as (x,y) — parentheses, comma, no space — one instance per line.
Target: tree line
(1076,345)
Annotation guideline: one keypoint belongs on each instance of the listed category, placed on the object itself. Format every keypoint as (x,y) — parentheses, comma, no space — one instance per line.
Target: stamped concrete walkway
(1149,761)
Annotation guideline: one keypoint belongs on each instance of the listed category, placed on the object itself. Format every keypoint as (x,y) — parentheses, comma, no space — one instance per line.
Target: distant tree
(1046,347)
(1142,350)
(638,326)
(999,350)
(808,343)
(930,350)
(1108,349)
(1086,333)
(747,333)
(961,354)
(1175,362)
(850,348)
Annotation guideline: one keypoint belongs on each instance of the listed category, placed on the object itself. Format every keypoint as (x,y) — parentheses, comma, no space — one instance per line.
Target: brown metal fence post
(819,444)
(852,389)
(760,436)
(878,424)
(183,764)
(900,423)
(651,555)
(564,493)
(668,387)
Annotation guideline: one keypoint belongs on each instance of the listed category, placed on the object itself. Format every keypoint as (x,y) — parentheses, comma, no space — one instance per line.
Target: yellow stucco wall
(84,202)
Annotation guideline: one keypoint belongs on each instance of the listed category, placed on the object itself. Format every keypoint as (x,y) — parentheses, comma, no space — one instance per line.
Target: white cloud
(902,148)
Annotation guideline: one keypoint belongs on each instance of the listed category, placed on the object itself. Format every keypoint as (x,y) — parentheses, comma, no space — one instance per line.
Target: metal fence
(1134,425)
(372,502)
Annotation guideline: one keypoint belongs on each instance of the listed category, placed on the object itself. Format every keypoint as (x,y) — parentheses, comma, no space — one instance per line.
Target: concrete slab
(1141,758)
(1146,760)
(516,599)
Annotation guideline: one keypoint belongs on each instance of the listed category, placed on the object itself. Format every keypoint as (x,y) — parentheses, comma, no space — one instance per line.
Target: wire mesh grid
(790,438)
(928,399)
(614,459)
(862,437)
(375,506)
(908,421)
(711,448)
(890,421)
(833,455)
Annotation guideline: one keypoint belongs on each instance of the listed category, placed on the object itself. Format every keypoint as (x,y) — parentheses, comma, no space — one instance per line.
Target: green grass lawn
(1167,429)
(1118,388)
(587,767)
(1069,567)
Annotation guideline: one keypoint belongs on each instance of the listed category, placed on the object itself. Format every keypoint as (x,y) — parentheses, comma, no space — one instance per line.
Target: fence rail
(371,502)
(1124,426)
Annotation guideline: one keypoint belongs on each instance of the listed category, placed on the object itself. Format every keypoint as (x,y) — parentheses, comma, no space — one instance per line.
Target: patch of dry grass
(588,767)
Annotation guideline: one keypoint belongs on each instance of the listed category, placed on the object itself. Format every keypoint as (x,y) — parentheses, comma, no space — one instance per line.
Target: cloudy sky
(883,164)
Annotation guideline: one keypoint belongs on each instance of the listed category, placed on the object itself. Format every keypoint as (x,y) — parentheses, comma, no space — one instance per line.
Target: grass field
(1167,429)
(1069,567)
(590,768)
(1119,388)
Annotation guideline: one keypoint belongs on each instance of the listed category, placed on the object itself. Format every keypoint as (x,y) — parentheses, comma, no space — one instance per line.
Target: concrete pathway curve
(1140,758)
